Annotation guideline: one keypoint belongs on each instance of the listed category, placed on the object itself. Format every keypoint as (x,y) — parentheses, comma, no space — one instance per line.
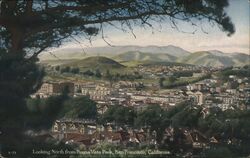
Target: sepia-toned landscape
(124,78)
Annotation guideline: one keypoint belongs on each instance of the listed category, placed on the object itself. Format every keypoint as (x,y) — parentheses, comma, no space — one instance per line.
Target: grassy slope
(97,62)
(207,59)
(141,56)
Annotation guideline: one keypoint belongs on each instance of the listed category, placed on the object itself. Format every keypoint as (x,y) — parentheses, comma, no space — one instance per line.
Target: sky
(164,34)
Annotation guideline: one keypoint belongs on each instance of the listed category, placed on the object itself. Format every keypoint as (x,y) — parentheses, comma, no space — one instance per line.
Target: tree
(33,104)
(172,79)
(108,76)
(120,115)
(18,79)
(43,112)
(161,80)
(155,118)
(187,117)
(88,73)
(57,68)
(80,107)
(140,86)
(75,70)
(98,73)
(24,22)
(65,69)
(218,152)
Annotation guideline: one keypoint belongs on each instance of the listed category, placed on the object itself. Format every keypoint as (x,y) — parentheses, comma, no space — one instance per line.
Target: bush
(65,69)
(218,152)
(75,70)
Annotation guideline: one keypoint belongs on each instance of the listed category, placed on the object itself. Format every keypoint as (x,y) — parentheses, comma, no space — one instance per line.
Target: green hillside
(96,62)
(57,62)
(165,64)
(133,56)
(206,58)
(240,59)
(141,56)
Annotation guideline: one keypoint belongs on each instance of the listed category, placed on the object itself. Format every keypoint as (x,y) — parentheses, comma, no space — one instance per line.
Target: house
(169,134)
(82,126)
(224,107)
(102,107)
(100,92)
(79,87)
(213,140)
(76,138)
(51,88)
(112,137)
(200,86)
(205,112)
(137,137)
(196,139)
(197,97)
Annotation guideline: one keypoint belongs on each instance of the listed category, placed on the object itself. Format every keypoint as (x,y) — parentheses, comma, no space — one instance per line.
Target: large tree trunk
(17,37)
(18,79)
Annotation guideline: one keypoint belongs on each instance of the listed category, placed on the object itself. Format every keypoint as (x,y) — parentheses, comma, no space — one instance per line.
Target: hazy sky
(238,10)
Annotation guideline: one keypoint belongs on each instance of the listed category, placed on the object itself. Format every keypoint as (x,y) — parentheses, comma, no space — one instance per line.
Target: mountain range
(140,56)
(169,53)
(76,53)
(215,58)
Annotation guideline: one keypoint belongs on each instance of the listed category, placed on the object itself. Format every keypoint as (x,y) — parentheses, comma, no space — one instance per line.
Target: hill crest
(96,62)
(141,56)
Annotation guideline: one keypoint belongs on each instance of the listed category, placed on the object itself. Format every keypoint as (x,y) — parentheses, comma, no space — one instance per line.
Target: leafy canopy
(32,26)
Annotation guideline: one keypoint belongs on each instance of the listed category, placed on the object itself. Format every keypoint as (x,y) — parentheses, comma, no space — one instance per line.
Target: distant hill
(78,53)
(96,62)
(151,53)
(140,56)
(240,58)
(215,59)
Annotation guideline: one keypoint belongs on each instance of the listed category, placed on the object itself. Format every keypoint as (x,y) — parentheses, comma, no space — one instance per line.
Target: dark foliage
(43,112)
(120,115)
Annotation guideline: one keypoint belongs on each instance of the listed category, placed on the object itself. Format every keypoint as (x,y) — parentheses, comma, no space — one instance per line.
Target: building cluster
(122,93)
(54,88)
(207,93)
(88,133)
(153,71)
(234,93)
(186,138)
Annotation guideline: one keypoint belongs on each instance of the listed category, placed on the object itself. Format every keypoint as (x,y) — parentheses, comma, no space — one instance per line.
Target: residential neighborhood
(207,94)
